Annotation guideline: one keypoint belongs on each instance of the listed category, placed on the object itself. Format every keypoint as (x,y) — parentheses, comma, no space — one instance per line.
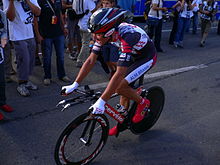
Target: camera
(166,16)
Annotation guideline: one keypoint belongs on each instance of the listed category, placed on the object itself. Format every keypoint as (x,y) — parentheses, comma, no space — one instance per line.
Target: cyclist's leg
(135,71)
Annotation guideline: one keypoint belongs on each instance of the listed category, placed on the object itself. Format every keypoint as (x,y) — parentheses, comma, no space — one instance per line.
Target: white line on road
(157,75)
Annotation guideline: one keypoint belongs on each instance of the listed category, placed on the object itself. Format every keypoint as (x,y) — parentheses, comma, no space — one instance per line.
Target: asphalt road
(187,133)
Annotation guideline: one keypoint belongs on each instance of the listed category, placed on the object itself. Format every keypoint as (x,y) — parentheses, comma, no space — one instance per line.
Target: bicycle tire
(78,152)
(157,98)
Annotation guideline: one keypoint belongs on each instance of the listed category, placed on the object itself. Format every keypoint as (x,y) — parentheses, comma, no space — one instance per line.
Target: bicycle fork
(91,125)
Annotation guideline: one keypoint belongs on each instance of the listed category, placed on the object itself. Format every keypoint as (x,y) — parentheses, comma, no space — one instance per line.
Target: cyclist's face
(100,38)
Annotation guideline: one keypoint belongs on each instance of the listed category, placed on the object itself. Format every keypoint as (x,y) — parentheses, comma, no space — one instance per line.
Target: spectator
(128,5)
(194,19)
(195,15)
(208,9)
(8,62)
(20,15)
(89,7)
(176,10)
(218,29)
(155,22)
(3,36)
(183,21)
(110,52)
(74,38)
(50,31)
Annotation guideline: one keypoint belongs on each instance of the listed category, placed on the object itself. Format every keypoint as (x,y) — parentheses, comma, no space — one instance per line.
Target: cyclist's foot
(113,131)
(141,110)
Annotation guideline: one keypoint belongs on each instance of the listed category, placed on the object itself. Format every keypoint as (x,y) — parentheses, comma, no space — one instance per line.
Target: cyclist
(137,57)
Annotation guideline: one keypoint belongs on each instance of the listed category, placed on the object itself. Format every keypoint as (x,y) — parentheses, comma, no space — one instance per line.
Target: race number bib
(1,55)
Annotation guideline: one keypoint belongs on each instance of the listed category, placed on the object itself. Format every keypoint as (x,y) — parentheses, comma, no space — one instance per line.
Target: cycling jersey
(137,51)
(133,42)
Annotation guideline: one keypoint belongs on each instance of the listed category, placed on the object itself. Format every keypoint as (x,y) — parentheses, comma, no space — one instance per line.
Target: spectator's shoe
(1,116)
(22,90)
(65,79)
(175,44)
(141,110)
(8,79)
(202,44)
(113,131)
(6,108)
(72,56)
(171,42)
(47,81)
(29,85)
(180,45)
(79,64)
(37,61)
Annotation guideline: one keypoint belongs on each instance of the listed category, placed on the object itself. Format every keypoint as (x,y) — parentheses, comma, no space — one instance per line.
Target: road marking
(157,75)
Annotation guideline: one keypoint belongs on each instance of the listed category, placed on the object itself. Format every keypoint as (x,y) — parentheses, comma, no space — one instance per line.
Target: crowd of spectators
(50,23)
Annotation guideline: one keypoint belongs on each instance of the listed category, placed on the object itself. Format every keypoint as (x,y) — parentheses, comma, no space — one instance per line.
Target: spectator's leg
(8,62)
(185,23)
(158,32)
(84,52)
(179,31)
(47,51)
(151,28)
(218,30)
(23,60)
(206,32)
(174,30)
(59,47)
(195,22)
(2,85)
(32,51)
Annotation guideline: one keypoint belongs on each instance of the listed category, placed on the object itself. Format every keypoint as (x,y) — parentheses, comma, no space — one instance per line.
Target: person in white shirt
(155,22)
(194,19)
(20,15)
(183,21)
(208,9)
(89,7)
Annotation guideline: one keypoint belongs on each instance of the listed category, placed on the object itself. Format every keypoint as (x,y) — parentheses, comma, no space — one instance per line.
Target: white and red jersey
(133,42)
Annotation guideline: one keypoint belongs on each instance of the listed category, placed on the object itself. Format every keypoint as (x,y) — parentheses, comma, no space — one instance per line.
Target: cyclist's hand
(98,107)
(66,90)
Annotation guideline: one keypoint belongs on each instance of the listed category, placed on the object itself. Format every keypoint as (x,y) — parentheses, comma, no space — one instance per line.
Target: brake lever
(65,107)
(60,103)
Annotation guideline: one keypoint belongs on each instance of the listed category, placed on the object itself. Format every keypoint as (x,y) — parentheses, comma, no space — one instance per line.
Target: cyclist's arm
(86,68)
(114,82)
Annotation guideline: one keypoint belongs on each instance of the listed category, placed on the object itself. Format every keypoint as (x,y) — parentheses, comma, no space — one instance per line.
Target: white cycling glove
(70,88)
(98,107)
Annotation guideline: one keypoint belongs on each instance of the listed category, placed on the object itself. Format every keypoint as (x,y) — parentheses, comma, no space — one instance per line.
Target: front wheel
(157,98)
(82,140)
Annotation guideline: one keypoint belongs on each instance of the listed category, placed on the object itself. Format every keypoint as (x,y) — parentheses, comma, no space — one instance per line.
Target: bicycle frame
(114,113)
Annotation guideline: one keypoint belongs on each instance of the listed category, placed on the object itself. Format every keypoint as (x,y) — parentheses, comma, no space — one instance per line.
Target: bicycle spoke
(80,145)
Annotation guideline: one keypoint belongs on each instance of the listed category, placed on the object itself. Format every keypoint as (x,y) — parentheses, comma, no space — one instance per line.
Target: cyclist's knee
(122,87)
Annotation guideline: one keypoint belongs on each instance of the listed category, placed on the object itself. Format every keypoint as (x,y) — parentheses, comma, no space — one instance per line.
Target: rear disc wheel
(157,98)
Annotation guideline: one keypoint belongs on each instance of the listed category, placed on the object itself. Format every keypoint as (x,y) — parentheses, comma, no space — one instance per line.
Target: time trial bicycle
(84,138)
